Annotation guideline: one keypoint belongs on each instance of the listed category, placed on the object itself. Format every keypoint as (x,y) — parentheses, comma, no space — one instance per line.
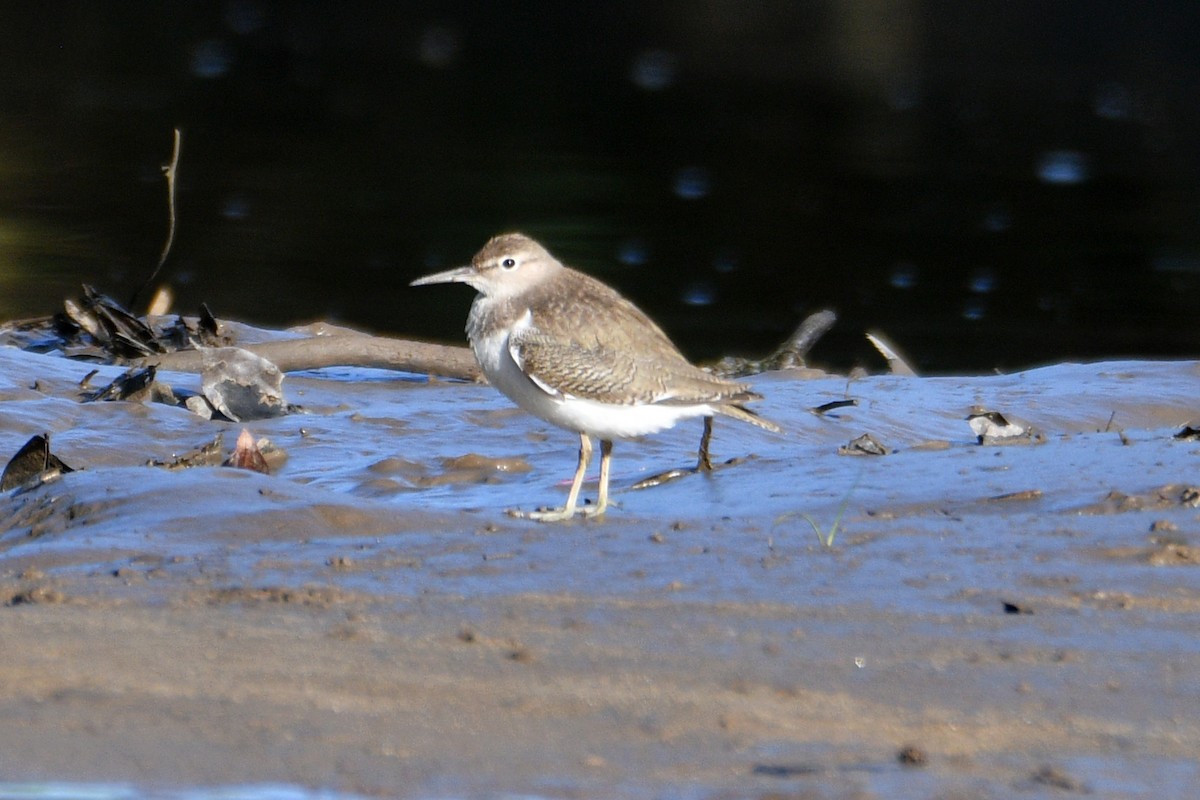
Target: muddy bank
(1016,618)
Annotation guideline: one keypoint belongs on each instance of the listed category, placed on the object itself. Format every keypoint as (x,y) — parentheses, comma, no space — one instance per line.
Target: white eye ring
(509,263)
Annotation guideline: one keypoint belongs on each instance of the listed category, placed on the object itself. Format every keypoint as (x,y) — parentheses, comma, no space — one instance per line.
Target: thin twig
(169,172)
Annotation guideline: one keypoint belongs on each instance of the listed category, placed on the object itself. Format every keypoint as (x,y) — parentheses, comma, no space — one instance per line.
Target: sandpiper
(572,351)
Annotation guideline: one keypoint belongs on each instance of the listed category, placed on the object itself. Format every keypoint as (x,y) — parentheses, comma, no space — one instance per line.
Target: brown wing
(588,341)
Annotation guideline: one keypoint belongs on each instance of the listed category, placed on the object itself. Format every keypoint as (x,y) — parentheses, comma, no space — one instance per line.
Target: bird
(572,351)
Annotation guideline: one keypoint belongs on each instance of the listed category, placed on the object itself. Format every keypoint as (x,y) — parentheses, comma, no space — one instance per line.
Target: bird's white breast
(602,420)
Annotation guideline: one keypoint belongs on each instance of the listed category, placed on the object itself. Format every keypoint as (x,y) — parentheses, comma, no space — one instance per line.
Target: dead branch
(294,355)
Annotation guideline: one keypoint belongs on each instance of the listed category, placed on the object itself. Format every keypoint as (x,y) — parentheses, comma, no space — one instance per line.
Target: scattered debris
(897,363)
(992,427)
(1015,608)
(865,445)
(833,405)
(134,385)
(33,464)
(1171,554)
(675,473)
(208,455)
(1190,496)
(199,405)
(786,770)
(312,596)
(1026,494)
(1057,778)
(912,756)
(241,385)
(183,334)
(1169,496)
(97,328)
(37,595)
(1188,434)
(247,455)
(114,329)
(789,355)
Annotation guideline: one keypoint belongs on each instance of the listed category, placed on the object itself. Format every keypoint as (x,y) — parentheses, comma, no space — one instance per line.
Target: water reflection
(1063,167)
(211,58)
(692,183)
(633,253)
(700,293)
(653,70)
(904,275)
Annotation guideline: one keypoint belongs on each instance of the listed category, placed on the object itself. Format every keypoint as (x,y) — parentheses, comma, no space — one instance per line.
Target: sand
(989,621)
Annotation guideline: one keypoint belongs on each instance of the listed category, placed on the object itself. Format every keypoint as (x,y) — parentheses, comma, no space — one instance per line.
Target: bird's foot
(559,514)
(592,512)
(543,514)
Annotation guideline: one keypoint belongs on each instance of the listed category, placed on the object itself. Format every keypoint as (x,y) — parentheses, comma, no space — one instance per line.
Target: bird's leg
(704,463)
(567,511)
(602,500)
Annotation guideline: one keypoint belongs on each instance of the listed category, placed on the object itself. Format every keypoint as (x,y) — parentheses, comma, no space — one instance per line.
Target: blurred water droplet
(983,280)
(653,70)
(1112,101)
(1064,167)
(211,59)
(700,293)
(633,253)
(235,208)
(998,220)
(904,275)
(725,262)
(692,183)
(439,46)
(245,16)
(973,311)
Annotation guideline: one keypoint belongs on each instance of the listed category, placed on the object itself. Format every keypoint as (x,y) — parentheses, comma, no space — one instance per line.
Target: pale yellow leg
(568,511)
(602,499)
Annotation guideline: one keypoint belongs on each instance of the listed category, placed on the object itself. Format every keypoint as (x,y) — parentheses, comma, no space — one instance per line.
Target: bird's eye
(509,263)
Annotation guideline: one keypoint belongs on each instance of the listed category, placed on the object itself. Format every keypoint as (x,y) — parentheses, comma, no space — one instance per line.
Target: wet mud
(988,620)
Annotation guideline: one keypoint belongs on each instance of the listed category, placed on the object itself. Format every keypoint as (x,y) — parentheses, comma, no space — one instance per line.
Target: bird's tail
(746,415)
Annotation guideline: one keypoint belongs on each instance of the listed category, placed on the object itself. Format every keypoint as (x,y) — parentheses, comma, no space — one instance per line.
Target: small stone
(912,756)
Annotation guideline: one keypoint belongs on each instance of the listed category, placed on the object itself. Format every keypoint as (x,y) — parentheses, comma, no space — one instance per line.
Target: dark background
(993,185)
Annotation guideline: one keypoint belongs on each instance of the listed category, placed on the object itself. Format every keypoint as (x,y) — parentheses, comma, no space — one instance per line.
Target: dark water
(992,185)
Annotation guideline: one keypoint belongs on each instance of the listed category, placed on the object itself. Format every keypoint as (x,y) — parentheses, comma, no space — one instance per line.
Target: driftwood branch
(294,355)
